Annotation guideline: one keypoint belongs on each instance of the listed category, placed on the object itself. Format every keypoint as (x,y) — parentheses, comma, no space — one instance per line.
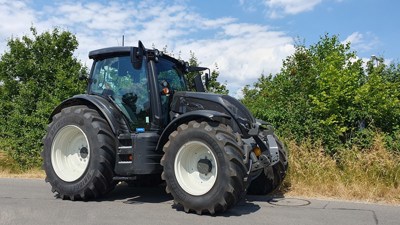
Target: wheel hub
(204,166)
(83,152)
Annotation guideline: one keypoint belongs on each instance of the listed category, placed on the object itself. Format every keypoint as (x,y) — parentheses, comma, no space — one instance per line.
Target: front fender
(208,115)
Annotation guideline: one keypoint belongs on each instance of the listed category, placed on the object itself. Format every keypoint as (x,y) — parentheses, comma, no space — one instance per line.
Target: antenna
(123,40)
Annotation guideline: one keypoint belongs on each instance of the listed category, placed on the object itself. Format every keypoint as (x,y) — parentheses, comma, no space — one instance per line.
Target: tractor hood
(242,120)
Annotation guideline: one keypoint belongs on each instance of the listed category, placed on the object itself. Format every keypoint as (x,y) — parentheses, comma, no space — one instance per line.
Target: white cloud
(16,17)
(242,50)
(362,42)
(280,8)
(354,38)
(243,56)
(249,5)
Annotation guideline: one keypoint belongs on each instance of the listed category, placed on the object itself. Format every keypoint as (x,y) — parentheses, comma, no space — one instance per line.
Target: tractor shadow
(253,203)
(137,195)
(250,204)
(142,195)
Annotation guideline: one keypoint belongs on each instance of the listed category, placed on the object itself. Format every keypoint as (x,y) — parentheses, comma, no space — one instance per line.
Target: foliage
(324,92)
(36,74)
(214,86)
(193,61)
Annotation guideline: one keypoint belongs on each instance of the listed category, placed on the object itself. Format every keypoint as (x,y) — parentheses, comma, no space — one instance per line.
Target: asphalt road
(30,201)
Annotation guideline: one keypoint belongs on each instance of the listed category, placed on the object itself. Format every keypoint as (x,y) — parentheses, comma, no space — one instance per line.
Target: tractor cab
(141,91)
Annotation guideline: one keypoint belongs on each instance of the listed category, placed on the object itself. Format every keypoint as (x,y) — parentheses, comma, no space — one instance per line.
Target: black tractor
(138,123)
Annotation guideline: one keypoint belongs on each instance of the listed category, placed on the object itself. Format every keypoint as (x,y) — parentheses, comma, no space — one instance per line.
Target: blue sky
(245,38)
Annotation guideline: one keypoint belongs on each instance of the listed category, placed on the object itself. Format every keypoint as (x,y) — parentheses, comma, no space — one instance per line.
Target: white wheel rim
(70,153)
(186,169)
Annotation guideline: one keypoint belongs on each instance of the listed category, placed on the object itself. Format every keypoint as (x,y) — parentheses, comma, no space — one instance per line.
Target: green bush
(392,140)
(362,139)
(325,92)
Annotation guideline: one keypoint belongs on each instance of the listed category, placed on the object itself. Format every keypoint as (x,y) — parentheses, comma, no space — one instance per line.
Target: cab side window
(167,73)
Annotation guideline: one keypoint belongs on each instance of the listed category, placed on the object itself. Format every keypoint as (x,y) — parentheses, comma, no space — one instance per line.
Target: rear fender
(104,107)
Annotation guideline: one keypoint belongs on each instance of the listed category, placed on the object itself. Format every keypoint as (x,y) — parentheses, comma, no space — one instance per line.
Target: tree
(283,99)
(379,95)
(214,85)
(324,93)
(36,74)
(338,76)
(193,61)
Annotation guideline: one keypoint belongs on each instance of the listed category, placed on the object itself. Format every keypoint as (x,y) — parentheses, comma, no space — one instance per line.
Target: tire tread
(232,149)
(101,183)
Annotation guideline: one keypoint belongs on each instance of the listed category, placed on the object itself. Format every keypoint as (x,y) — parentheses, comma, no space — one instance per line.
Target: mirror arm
(207,78)
(137,55)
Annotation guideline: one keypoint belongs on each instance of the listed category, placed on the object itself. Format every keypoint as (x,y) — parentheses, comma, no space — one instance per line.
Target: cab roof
(125,50)
(110,51)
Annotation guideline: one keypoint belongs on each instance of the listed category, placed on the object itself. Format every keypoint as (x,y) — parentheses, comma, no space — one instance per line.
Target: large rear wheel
(79,154)
(203,167)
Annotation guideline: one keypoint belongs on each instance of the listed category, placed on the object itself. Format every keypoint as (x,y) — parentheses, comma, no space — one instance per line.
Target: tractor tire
(270,178)
(79,154)
(203,167)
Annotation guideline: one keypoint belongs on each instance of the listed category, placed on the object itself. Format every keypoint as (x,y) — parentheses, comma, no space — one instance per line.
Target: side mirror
(197,79)
(198,83)
(207,80)
(137,55)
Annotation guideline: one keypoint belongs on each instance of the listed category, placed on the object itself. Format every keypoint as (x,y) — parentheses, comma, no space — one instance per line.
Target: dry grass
(33,173)
(8,169)
(371,175)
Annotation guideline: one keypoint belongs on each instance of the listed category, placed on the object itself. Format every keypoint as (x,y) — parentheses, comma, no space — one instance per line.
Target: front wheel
(78,155)
(203,167)
(271,177)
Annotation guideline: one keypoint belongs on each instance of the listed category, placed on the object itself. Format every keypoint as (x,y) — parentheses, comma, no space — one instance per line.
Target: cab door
(116,79)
